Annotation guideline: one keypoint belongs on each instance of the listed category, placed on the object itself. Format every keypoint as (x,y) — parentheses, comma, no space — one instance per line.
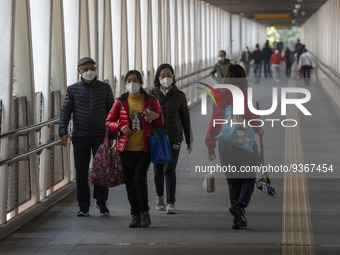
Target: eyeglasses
(84,70)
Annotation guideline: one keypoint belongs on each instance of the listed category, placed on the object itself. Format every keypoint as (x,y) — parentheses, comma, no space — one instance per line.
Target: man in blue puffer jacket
(89,100)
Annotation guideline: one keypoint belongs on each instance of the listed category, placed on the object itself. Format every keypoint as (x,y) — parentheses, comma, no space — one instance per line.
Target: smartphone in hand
(146,113)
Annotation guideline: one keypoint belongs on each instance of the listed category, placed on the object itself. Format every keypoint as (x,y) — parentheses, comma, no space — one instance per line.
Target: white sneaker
(170,209)
(160,204)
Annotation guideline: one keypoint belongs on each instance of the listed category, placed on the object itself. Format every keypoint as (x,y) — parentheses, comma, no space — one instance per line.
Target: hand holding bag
(209,183)
(160,148)
(106,169)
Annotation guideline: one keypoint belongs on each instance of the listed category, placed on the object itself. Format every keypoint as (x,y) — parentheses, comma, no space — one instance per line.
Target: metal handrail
(29,128)
(320,63)
(28,153)
(199,71)
(56,120)
(191,74)
(185,77)
(193,82)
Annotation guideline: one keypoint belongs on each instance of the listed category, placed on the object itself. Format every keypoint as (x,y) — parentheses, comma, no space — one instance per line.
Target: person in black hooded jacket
(176,120)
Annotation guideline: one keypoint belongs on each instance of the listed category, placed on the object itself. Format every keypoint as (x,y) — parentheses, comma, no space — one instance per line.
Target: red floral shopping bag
(106,169)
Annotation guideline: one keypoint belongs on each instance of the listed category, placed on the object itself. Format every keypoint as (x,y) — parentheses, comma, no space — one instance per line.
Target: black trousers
(288,69)
(266,68)
(306,71)
(135,167)
(169,171)
(82,148)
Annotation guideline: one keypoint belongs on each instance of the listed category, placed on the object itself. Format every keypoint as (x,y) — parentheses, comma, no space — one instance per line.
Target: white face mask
(166,82)
(221,58)
(276,51)
(89,75)
(132,87)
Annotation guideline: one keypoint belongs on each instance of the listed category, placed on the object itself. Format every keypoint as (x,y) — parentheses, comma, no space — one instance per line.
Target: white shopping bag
(209,183)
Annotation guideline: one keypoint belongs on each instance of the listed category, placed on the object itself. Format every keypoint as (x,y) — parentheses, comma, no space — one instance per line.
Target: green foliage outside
(287,36)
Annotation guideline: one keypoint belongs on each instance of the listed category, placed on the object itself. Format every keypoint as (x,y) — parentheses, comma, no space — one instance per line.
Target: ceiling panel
(247,8)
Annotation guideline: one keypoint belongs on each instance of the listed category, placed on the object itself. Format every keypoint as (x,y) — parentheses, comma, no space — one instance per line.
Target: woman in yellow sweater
(133,116)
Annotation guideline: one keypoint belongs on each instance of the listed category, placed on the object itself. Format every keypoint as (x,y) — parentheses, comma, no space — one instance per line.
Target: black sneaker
(135,223)
(238,212)
(83,212)
(145,219)
(239,224)
(102,208)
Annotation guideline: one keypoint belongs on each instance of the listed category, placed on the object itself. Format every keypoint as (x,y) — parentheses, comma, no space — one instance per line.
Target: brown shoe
(145,219)
(135,223)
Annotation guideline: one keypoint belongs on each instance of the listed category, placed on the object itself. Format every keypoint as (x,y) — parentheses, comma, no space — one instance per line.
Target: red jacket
(276,59)
(218,113)
(123,117)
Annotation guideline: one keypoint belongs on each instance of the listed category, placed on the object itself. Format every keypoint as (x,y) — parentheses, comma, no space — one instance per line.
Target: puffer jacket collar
(171,91)
(82,82)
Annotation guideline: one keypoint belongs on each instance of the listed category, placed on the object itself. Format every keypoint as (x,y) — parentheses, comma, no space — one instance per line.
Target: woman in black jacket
(176,120)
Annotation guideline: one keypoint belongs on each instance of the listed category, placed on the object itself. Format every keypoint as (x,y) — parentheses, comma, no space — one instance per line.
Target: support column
(101,38)
(231,36)
(7,22)
(41,18)
(138,39)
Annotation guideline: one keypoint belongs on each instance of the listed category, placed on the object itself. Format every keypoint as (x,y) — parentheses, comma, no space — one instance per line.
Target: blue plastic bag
(235,132)
(160,148)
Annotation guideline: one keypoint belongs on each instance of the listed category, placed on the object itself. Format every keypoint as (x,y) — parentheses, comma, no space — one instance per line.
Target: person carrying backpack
(240,187)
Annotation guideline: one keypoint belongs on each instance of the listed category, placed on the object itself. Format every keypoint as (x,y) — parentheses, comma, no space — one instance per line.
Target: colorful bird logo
(209,93)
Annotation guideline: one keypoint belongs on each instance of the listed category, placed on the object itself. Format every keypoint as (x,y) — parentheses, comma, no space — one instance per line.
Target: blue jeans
(241,186)
(169,172)
(240,190)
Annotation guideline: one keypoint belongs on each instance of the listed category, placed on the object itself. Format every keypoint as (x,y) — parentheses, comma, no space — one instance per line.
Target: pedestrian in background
(219,69)
(289,59)
(275,62)
(266,55)
(245,59)
(176,121)
(299,50)
(306,65)
(257,57)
